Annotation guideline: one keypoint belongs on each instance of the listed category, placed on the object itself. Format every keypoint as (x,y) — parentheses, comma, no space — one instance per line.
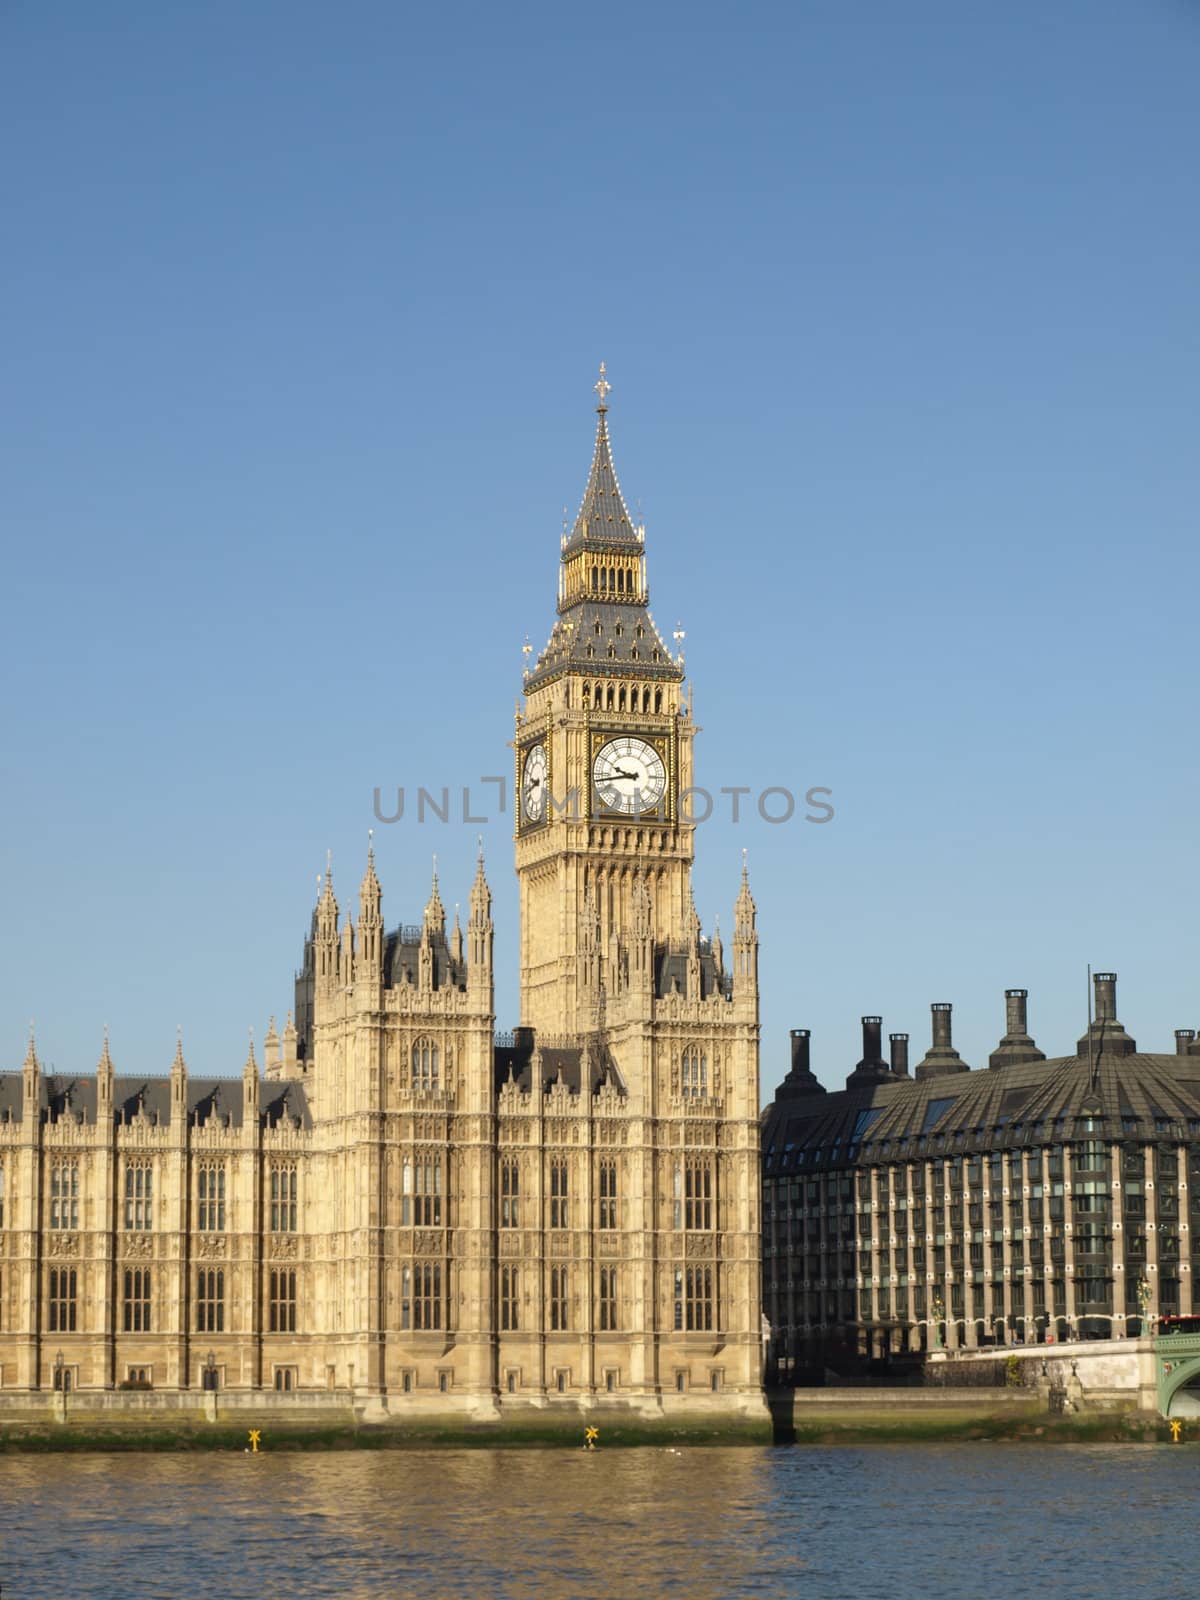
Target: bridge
(1177,1373)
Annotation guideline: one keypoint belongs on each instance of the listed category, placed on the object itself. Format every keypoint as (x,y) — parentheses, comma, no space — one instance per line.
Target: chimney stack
(1183,1039)
(899,1044)
(800,1080)
(1106,1035)
(1016,1044)
(800,1049)
(941,1058)
(1106,996)
(872,1068)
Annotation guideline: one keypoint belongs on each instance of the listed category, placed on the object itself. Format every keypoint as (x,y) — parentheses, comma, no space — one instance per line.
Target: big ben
(617,974)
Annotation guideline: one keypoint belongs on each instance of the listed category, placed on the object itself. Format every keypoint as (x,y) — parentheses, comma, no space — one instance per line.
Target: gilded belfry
(406,1207)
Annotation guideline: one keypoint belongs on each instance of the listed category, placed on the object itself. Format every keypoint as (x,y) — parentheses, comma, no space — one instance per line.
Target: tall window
(64,1195)
(677,1317)
(282,1307)
(699,1298)
(608,1192)
(425,1065)
(559,1195)
(421,1295)
(510,1298)
(427,1295)
(139,1200)
(137,1300)
(677,1198)
(421,1191)
(698,1195)
(283,1198)
(558,1299)
(61,1299)
(210,1300)
(608,1299)
(694,1074)
(1,1194)
(210,1195)
(510,1193)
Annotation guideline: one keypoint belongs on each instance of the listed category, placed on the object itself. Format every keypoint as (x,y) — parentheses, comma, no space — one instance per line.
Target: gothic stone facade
(1031,1201)
(407,1205)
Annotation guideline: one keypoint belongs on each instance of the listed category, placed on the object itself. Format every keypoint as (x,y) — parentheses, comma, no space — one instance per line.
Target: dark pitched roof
(1033,1102)
(603,519)
(64,1096)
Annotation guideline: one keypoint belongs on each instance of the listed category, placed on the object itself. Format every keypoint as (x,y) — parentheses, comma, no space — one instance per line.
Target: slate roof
(1136,1095)
(64,1096)
(515,1063)
(603,520)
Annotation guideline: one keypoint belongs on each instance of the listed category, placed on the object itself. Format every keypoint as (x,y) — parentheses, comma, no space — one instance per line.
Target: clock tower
(603,770)
(634,1078)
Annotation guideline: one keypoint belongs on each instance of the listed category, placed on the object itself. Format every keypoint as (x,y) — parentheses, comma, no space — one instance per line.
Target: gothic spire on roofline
(604,623)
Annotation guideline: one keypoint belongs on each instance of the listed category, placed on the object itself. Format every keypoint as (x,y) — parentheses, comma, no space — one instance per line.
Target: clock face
(628,775)
(533,784)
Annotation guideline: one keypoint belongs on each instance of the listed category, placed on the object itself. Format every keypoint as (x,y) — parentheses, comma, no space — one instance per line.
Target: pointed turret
(31,1083)
(179,1081)
(370,923)
(271,1050)
(325,934)
(345,968)
(480,930)
(290,1046)
(104,1085)
(250,1087)
(718,950)
(435,912)
(456,940)
(745,938)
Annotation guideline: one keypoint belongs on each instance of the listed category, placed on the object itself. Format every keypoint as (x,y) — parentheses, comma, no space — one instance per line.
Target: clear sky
(302,309)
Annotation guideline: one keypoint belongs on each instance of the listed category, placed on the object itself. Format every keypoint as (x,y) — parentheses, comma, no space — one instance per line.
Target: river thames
(896,1521)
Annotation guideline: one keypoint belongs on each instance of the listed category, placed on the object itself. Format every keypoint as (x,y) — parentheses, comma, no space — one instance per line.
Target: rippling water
(887,1521)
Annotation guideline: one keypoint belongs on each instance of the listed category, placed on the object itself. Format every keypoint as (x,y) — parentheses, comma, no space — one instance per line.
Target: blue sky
(303,305)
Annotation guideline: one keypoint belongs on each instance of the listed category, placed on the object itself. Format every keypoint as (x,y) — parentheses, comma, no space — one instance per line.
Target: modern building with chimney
(406,1207)
(1028,1200)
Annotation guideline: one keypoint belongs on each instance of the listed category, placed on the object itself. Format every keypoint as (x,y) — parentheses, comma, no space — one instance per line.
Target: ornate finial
(526,650)
(679,636)
(435,867)
(602,389)
(370,844)
(480,840)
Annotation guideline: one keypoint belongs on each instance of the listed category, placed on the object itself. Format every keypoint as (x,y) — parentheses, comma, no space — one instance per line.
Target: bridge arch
(1180,1390)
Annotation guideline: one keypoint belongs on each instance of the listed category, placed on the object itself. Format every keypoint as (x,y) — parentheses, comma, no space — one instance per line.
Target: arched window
(64,1195)
(657,701)
(621,698)
(609,697)
(139,1200)
(587,689)
(560,1199)
(283,1197)
(421,1190)
(693,1076)
(425,1065)
(510,1193)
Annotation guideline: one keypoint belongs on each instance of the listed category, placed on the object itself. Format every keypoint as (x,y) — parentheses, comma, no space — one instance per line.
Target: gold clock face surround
(535,780)
(629,775)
